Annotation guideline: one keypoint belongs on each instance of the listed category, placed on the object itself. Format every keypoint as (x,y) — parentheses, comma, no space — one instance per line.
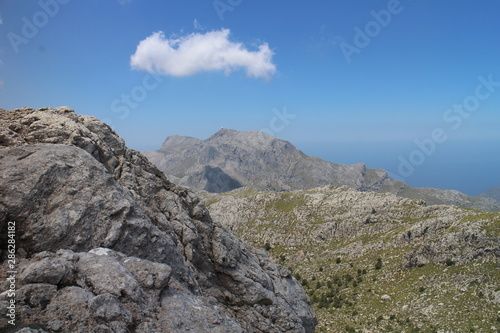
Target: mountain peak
(224,130)
(257,159)
(253,158)
(176,142)
(227,132)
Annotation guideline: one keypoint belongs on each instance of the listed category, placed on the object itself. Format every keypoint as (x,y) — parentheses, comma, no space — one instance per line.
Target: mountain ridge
(492,193)
(229,159)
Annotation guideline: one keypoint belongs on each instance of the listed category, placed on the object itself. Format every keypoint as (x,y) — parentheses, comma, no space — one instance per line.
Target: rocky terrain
(106,243)
(493,193)
(230,159)
(376,262)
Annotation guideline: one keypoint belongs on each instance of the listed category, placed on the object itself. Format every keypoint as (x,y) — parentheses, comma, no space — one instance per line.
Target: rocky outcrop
(375,262)
(106,243)
(327,213)
(231,159)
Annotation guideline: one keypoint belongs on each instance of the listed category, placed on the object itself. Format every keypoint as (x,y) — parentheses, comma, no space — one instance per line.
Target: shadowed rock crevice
(218,181)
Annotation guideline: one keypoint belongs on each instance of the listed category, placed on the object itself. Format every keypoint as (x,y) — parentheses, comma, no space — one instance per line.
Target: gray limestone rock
(111,245)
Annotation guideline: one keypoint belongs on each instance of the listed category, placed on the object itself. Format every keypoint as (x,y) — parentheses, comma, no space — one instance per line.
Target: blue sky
(349,81)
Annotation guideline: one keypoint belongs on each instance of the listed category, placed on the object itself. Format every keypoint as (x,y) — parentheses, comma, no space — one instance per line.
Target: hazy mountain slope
(438,269)
(106,243)
(492,193)
(257,159)
(435,196)
(230,159)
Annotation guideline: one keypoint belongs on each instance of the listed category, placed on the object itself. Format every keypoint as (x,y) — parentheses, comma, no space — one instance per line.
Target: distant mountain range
(493,193)
(231,159)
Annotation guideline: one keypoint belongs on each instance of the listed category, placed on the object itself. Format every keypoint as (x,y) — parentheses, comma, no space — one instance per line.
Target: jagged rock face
(107,244)
(230,159)
(254,159)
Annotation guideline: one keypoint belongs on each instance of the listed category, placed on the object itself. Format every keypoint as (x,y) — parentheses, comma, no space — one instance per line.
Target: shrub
(337,302)
(378,265)
(338,261)
(350,329)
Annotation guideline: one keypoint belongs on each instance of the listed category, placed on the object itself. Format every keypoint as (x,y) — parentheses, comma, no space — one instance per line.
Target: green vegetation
(354,273)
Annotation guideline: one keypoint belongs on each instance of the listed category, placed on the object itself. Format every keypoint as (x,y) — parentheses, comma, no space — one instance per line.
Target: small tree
(378,265)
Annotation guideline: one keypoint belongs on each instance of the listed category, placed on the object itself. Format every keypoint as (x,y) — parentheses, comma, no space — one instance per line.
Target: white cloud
(212,51)
(1,20)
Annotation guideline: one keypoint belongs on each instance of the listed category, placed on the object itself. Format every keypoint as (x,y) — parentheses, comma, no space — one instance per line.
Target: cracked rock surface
(106,243)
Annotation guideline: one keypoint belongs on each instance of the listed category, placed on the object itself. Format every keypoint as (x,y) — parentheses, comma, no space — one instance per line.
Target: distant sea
(469,167)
